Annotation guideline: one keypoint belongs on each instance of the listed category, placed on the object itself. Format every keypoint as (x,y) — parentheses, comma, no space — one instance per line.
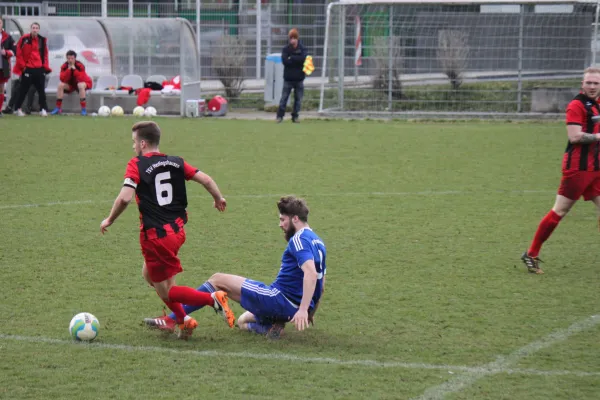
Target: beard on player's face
(290,231)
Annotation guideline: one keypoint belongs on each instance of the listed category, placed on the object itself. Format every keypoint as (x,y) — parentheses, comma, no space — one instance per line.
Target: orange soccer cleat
(186,329)
(221,306)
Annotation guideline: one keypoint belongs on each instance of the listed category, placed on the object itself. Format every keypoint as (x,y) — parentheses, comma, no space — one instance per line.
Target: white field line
(260,196)
(298,359)
(503,363)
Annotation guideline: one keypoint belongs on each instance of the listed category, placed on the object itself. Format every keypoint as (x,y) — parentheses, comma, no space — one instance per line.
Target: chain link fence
(432,44)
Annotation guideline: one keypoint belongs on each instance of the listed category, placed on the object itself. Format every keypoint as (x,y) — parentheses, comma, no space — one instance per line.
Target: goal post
(456,58)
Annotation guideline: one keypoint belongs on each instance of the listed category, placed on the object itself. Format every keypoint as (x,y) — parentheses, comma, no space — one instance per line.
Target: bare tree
(381,54)
(452,53)
(228,63)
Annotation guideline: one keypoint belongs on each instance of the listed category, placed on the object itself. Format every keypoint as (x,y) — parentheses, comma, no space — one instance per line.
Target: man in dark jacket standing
(292,56)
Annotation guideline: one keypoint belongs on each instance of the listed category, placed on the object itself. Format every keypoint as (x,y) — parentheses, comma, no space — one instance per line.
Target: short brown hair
(35,23)
(148,131)
(293,33)
(292,205)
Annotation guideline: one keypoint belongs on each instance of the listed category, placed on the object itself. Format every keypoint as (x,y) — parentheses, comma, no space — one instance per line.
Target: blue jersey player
(294,295)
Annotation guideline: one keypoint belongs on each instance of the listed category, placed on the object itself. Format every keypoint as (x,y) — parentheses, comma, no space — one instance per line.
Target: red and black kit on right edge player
(583,111)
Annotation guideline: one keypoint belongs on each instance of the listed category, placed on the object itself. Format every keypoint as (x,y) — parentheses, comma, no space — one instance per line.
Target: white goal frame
(340,77)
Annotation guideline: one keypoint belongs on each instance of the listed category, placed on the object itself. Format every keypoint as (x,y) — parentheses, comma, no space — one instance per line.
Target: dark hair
(148,131)
(71,53)
(292,205)
(35,23)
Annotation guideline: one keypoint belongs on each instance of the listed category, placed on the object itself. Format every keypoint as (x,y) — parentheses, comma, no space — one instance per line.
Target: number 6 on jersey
(164,190)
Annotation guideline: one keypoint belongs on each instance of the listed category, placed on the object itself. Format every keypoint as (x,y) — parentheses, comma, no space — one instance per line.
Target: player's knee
(561,210)
(242,324)
(215,279)
(561,213)
(81,85)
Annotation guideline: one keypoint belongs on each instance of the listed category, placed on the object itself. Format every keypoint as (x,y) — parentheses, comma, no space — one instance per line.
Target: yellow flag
(308,66)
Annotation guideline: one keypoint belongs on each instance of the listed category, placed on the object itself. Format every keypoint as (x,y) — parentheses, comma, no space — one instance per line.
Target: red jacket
(8,44)
(24,50)
(74,76)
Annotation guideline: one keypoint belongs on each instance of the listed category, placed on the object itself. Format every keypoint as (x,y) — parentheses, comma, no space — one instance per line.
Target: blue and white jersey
(303,246)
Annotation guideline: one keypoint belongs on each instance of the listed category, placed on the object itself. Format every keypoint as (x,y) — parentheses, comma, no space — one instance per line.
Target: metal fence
(498,38)
(258,36)
(435,59)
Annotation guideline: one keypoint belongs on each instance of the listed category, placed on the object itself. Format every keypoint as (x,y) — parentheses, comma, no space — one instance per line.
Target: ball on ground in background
(138,111)
(104,111)
(150,112)
(117,111)
(84,326)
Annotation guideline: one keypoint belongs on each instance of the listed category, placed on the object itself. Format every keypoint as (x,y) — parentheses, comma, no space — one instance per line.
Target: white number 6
(164,190)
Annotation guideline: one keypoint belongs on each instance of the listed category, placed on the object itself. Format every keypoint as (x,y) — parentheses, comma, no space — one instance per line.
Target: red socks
(544,230)
(177,309)
(1,101)
(191,297)
(82,103)
(58,103)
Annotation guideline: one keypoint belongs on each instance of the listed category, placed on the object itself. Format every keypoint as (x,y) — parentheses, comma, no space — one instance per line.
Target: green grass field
(426,296)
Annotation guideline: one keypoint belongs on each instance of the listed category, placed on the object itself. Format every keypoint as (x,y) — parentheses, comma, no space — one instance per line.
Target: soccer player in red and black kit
(580,165)
(158,183)
(7,50)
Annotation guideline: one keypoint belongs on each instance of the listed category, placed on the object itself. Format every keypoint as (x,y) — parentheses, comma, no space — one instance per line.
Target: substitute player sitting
(72,78)
(295,294)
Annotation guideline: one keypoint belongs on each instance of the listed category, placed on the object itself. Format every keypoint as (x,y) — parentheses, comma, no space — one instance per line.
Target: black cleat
(532,264)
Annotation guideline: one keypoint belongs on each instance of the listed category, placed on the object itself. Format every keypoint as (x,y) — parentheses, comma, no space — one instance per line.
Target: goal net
(456,58)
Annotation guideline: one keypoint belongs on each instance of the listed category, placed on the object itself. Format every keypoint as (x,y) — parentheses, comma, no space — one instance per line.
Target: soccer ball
(117,111)
(139,111)
(84,326)
(150,112)
(104,111)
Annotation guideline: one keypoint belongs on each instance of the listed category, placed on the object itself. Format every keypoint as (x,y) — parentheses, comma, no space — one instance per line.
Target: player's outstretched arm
(120,204)
(308,289)
(211,187)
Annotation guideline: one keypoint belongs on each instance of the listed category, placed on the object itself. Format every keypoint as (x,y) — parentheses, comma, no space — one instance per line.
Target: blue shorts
(267,303)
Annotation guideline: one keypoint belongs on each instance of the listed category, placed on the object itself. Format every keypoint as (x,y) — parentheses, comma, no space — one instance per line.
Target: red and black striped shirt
(160,192)
(582,157)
